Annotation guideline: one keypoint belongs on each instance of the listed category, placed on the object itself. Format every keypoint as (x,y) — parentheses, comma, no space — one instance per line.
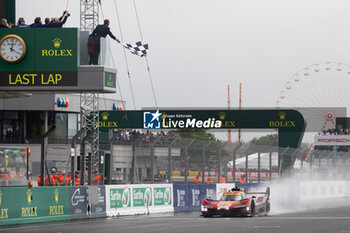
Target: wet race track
(330,220)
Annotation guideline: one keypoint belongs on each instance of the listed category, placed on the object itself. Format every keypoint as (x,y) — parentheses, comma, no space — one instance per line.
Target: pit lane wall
(40,204)
(188,197)
(139,199)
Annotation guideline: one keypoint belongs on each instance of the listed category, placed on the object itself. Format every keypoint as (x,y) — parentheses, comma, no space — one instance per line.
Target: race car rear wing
(266,193)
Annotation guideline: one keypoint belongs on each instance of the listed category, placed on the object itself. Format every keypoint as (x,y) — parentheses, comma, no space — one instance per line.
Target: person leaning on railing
(4,24)
(37,23)
(21,23)
(58,22)
(102,30)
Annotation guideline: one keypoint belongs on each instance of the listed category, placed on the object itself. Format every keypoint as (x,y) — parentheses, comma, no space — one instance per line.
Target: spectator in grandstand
(58,22)
(149,135)
(160,134)
(21,23)
(4,24)
(37,23)
(335,131)
(47,21)
(128,135)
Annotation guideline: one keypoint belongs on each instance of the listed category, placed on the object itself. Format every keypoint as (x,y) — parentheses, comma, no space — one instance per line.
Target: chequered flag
(139,48)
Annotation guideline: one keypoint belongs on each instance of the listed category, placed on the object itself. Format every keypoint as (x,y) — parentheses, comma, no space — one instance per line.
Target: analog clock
(12,49)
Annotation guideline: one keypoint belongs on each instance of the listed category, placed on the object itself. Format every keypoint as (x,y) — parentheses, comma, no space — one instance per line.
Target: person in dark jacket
(57,23)
(47,21)
(101,30)
(4,24)
(21,23)
(37,23)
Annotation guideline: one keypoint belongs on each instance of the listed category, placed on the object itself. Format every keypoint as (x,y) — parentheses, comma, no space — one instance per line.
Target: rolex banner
(39,204)
(38,57)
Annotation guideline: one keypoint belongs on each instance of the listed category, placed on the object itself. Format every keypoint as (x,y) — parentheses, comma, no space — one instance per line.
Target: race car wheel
(267,208)
(252,209)
(207,215)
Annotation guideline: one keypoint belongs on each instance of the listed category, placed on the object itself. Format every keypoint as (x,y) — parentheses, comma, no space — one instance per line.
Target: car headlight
(205,208)
(247,208)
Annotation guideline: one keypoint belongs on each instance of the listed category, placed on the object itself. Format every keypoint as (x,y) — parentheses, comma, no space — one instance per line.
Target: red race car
(237,202)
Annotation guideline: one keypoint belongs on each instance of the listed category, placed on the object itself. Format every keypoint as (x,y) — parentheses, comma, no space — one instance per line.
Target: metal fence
(144,159)
(160,159)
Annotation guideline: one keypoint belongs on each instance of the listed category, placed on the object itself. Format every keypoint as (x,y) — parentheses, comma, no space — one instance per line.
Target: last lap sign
(39,58)
(39,79)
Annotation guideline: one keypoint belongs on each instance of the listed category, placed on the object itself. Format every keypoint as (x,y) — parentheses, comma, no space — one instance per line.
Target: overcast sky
(198,47)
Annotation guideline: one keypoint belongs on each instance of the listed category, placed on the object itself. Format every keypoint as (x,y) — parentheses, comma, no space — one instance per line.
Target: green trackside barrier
(38,204)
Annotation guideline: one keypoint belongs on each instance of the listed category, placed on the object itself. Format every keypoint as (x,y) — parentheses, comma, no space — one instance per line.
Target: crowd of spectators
(53,22)
(335,131)
(125,136)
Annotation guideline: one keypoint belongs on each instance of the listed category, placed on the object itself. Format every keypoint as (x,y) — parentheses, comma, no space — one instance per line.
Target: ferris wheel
(321,92)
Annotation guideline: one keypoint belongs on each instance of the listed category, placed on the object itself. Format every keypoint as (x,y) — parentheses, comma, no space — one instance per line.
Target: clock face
(12,49)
